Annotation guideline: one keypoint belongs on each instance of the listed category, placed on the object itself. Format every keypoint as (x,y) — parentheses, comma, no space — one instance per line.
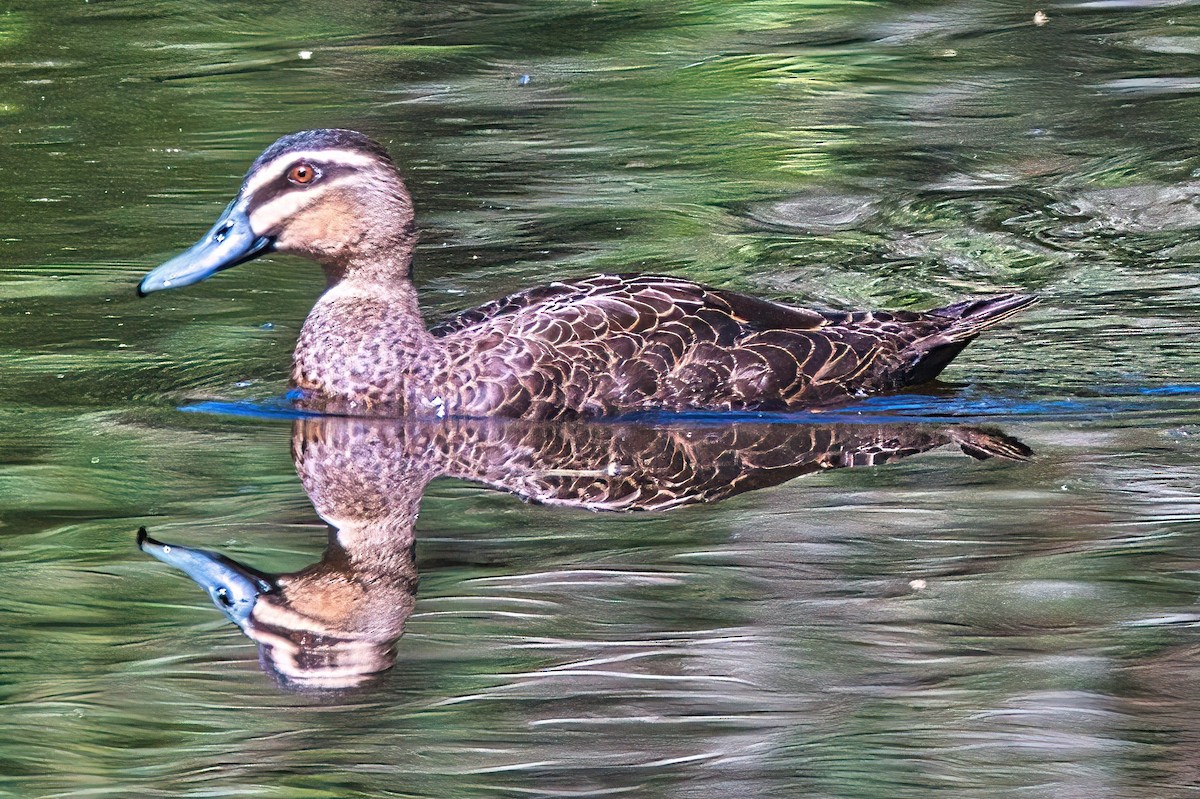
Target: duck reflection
(334,624)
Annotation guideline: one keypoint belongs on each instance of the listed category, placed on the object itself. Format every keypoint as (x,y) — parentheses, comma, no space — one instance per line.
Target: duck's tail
(982,443)
(959,324)
(969,318)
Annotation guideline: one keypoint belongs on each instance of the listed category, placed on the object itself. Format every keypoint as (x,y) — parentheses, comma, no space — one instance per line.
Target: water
(933,626)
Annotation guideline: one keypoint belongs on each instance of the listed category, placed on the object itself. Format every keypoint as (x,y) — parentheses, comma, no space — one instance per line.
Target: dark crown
(322,139)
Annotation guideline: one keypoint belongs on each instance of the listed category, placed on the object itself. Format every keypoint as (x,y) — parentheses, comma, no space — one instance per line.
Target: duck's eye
(301,174)
(224,597)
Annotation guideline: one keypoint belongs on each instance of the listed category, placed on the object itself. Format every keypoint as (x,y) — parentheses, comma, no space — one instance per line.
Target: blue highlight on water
(967,405)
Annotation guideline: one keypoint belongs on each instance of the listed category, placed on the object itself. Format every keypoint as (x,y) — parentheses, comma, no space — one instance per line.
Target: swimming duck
(600,346)
(334,624)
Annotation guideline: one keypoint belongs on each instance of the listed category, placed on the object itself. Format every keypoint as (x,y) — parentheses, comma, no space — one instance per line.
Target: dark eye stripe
(281,185)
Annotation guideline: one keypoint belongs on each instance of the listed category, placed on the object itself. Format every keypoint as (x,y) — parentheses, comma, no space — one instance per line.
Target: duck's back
(622,343)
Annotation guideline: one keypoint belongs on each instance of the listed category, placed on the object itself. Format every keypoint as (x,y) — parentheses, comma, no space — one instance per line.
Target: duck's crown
(325,141)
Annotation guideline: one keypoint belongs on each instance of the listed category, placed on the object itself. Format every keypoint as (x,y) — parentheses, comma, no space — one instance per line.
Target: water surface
(935,626)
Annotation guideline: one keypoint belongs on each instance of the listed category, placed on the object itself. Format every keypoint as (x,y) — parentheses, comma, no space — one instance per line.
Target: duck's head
(333,196)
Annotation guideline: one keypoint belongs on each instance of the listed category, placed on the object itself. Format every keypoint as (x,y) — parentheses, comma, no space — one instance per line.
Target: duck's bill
(234,588)
(230,242)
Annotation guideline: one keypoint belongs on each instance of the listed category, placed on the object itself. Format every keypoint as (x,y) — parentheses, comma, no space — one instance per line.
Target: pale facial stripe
(274,169)
(283,617)
(266,217)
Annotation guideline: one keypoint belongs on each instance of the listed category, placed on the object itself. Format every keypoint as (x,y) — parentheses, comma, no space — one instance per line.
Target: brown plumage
(334,624)
(600,346)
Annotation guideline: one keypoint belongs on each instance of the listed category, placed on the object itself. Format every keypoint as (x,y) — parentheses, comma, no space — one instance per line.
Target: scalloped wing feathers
(619,343)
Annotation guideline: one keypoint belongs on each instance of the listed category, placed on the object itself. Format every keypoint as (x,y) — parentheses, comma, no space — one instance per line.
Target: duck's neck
(370,505)
(377,265)
(379,252)
(379,285)
(364,343)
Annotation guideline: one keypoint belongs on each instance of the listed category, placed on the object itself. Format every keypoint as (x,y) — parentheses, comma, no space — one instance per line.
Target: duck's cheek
(286,240)
(319,234)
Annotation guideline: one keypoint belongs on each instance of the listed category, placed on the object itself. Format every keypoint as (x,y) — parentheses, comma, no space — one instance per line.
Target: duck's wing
(616,343)
(648,297)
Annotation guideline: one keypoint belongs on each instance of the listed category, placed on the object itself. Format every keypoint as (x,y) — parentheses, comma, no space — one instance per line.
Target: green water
(933,627)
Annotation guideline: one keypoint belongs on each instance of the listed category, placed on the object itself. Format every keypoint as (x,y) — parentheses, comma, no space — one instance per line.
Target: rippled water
(934,626)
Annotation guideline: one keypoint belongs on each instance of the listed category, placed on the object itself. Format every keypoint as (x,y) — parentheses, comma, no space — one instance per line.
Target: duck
(595,347)
(333,625)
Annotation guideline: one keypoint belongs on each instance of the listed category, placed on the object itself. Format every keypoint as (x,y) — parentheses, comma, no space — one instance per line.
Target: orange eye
(301,174)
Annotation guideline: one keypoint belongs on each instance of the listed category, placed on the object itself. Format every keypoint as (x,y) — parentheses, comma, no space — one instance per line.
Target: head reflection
(329,626)
(334,624)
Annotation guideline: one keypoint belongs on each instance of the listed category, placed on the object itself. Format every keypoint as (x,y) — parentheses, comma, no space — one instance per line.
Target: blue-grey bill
(233,588)
(230,242)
